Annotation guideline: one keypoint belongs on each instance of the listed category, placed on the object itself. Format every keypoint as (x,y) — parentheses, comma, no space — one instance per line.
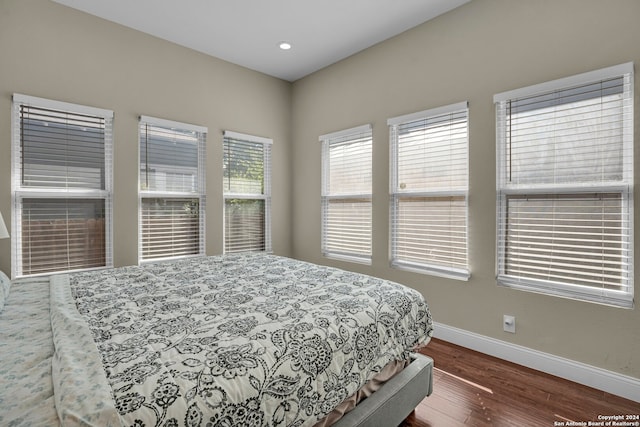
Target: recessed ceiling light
(285,45)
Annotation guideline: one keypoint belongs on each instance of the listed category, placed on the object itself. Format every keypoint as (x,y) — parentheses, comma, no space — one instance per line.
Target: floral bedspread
(26,350)
(243,340)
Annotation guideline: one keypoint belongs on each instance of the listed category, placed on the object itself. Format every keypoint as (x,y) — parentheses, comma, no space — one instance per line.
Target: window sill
(612,298)
(447,273)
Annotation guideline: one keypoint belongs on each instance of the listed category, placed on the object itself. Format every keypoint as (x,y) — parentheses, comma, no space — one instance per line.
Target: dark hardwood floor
(473,389)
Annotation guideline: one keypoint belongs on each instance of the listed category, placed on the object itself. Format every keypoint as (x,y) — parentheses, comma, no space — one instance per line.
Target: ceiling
(248,32)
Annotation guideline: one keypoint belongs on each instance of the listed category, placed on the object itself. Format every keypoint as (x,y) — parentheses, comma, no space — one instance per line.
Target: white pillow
(5,284)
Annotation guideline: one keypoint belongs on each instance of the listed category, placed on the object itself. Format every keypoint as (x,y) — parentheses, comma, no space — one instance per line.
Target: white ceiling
(248,32)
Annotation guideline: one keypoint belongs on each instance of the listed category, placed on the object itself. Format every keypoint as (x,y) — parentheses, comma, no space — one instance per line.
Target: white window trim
(246,137)
(18,192)
(425,268)
(200,195)
(446,109)
(172,124)
(61,105)
(575,80)
(346,132)
(583,293)
(267,186)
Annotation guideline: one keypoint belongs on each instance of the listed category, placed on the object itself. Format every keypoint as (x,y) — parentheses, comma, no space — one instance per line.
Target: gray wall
(55,52)
(471,53)
(484,47)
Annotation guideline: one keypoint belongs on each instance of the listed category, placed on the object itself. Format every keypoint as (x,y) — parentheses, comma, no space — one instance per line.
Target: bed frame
(396,399)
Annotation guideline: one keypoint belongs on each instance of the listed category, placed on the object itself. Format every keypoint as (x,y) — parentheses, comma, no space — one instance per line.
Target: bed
(240,339)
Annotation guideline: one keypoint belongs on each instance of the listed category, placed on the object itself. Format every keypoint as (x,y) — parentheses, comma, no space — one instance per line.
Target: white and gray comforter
(234,340)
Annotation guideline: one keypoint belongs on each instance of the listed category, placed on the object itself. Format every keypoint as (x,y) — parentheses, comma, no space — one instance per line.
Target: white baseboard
(601,379)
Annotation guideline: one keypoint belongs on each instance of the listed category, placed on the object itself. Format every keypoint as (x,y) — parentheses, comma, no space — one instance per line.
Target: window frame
(343,137)
(624,187)
(200,186)
(267,143)
(67,194)
(396,193)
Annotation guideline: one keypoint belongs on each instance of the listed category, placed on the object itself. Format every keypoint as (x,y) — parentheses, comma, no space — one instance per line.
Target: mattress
(248,339)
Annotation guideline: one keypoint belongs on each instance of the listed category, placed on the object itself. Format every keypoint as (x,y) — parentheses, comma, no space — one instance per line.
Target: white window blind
(247,192)
(172,189)
(565,185)
(429,186)
(61,182)
(346,194)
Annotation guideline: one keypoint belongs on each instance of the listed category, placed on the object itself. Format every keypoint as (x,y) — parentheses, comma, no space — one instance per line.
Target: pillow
(5,284)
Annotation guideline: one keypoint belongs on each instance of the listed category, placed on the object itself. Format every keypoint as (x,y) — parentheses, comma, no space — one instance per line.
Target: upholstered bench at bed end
(394,401)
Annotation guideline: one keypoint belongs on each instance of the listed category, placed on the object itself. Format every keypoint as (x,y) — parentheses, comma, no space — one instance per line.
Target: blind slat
(346,194)
(172,189)
(63,149)
(563,240)
(430,154)
(62,234)
(247,191)
(169,227)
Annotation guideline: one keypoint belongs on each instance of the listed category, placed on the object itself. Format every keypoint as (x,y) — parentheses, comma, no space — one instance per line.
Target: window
(346,194)
(172,191)
(565,185)
(247,192)
(429,186)
(61,185)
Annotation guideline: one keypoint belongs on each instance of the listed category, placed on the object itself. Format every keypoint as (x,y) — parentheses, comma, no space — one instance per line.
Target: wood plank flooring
(473,389)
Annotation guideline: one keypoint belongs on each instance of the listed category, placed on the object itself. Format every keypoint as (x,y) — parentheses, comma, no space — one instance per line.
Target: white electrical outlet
(509,323)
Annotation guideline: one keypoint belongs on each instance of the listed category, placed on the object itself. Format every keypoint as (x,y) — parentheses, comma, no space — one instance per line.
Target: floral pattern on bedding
(243,340)
(26,349)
